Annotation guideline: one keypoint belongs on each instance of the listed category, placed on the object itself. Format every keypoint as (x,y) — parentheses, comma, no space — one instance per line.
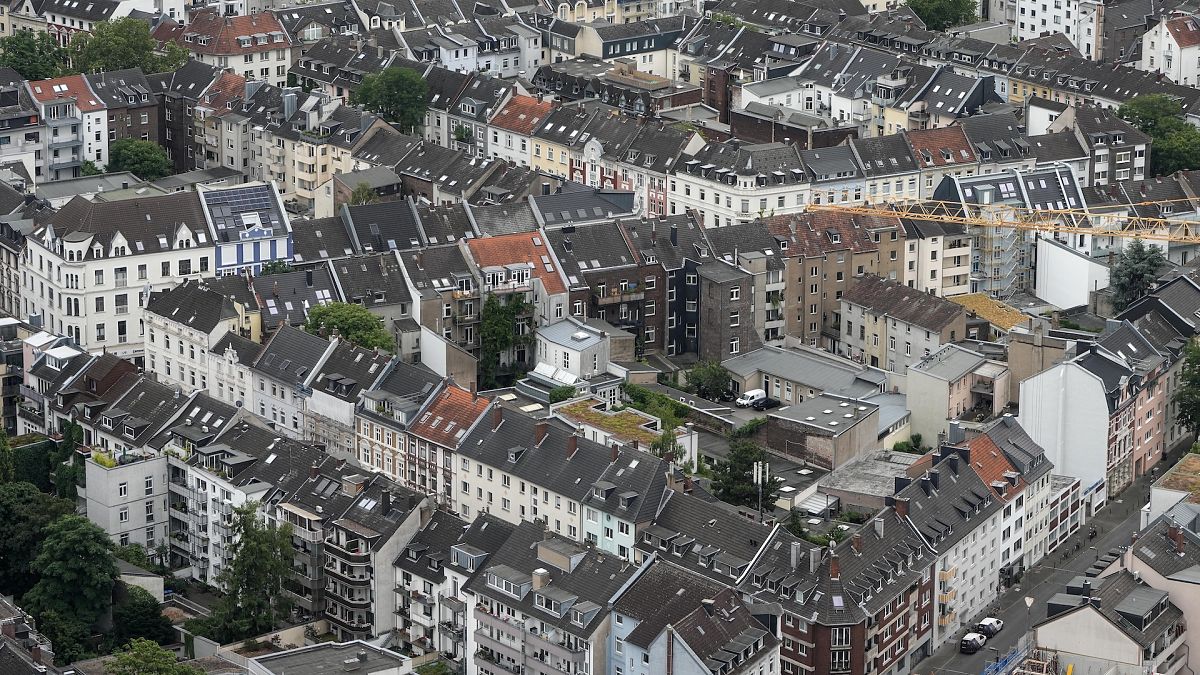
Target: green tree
(363,194)
(145,159)
(77,571)
(25,514)
(8,467)
(563,393)
(733,477)
(144,657)
(710,379)
(1187,394)
(139,616)
(70,635)
(36,56)
(134,554)
(497,334)
(253,583)
(275,267)
(70,472)
(396,94)
(124,43)
(1176,143)
(1135,270)
(667,444)
(939,15)
(354,322)
(89,168)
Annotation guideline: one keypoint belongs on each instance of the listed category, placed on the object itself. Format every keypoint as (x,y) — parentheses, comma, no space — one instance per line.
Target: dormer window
(577,617)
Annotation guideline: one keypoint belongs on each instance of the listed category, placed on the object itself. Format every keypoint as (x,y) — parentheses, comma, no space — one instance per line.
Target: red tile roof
(522,114)
(1185,30)
(223,33)
(516,248)
(229,86)
(934,141)
(811,234)
(449,416)
(988,460)
(65,87)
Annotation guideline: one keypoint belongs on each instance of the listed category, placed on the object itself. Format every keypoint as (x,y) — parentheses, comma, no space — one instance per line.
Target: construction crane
(1060,221)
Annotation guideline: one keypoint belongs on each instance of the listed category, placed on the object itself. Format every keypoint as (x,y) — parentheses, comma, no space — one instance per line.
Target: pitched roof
(69,86)
(449,416)
(245,34)
(190,81)
(290,355)
(940,147)
(149,224)
(662,596)
(988,460)
(247,350)
(320,239)
(427,553)
(1185,31)
(115,88)
(286,297)
(511,249)
(815,233)
(901,302)
(709,538)
(193,305)
(349,369)
(522,114)
(373,281)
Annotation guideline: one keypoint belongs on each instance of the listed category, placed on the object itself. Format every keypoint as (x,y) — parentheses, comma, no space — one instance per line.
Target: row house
(503,46)
(446,294)
(383,418)
(48,397)
(1117,403)
(824,252)
(1117,150)
(755,251)
(937,99)
(889,325)
(511,127)
(64,19)
(346,371)
(427,461)
(718,58)
(618,83)
(434,571)
(132,111)
(306,25)
(1170,46)
(731,182)
(283,374)
(89,269)
(942,152)
(336,64)
(179,92)
(678,244)
(73,119)
(254,46)
(541,605)
(937,257)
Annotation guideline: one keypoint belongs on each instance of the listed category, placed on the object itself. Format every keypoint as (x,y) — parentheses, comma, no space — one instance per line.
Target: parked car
(765,403)
(971,643)
(990,626)
(750,397)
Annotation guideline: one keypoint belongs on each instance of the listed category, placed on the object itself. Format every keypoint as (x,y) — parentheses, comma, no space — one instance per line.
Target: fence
(1010,661)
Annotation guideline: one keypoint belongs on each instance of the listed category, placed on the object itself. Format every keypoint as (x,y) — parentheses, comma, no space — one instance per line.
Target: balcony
(352,555)
(632,293)
(59,143)
(948,574)
(422,618)
(947,619)
(486,656)
(358,579)
(356,625)
(947,597)
(57,163)
(484,638)
(453,631)
(420,598)
(311,536)
(32,416)
(536,666)
(554,644)
(334,595)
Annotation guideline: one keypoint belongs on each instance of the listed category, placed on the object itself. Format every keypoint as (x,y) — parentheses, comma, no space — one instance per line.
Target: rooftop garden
(626,424)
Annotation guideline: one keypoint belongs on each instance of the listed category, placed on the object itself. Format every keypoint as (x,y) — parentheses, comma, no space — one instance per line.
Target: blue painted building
(249,226)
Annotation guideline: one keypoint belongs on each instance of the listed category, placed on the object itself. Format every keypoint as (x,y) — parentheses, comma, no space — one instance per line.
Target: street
(1115,525)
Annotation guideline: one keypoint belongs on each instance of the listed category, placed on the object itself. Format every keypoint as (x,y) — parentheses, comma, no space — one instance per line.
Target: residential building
(889,325)
(183,325)
(795,375)
(511,127)
(249,226)
(1117,150)
(73,117)
(1170,47)
(131,108)
(255,46)
(428,460)
(954,383)
(345,372)
(179,92)
(937,257)
(940,153)
(384,415)
(283,375)
(728,182)
(336,63)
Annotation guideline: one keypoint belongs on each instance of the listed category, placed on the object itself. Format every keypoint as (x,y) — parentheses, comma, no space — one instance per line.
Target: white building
(283,375)
(732,182)
(1172,47)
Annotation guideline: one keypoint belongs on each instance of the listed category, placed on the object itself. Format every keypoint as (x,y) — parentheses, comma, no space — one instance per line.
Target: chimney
(709,605)
(572,445)
(935,478)
(835,568)
(540,578)
(308,278)
(926,486)
(314,471)
(497,416)
(124,185)
(856,542)
(540,429)
(1087,588)
(385,504)
(952,462)
(674,234)
(797,552)
(616,451)
(1175,534)
(901,507)
(362,656)
(687,485)
(417,258)
(878,522)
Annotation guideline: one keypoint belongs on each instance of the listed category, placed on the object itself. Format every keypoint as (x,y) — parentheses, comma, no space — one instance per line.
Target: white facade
(1172,47)
(938,265)
(968,573)
(719,204)
(485,488)
(1065,278)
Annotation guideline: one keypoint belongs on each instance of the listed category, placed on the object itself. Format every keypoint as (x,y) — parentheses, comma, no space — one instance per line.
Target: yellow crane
(1064,221)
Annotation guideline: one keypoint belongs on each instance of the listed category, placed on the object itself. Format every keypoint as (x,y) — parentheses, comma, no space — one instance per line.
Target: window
(735,319)
(124,515)
(123,490)
(735,293)
(149,485)
(735,345)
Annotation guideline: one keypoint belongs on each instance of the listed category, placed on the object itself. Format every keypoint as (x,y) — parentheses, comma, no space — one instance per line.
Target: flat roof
(330,657)
(1183,477)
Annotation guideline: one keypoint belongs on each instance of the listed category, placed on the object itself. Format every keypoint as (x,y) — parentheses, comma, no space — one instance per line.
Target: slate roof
(486,535)
(501,219)
(140,221)
(247,350)
(436,268)
(445,224)
(97,10)
(745,239)
(653,236)
(383,226)
(598,246)
(595,579)
(825,164)
(291,355)
(1061,146)
(848,71)
(146,407)
(385,146)
(114,88)
(190,81)
(428,552)
(1155,549)
(1119,594)
(998,136)
(373,281)
(904,303)
(1026,456)
(662,596)
(449,416)
(338,16)
(892,556)
(1097,123)
(712,531)
(724,634)
(638,481)
(286,297)
(349,369)
(345,59)
(511,249)
(945,92)
(406,386)
(941,502)
(193,305)
(884,155)
(320,239)
(747,159)
(576,204)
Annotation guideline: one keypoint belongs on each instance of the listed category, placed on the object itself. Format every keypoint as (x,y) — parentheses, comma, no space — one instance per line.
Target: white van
(750,397)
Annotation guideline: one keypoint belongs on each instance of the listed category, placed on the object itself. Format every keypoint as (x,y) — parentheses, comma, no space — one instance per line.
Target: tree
(139,616)
(563,393)
(25,513)
(89,168)
(77,571)
(275,267)
(144,657)
(8,467)
(396,94)
(939,15)
(1187,393)
(71,471)
(711,379)
(497,334)
(134,554)
(124,43)
(70,636)
(253,583)
(733,477)
(145,159)
(36,56)
(1176,143)
(354,322)
(363,194)
(1135,270)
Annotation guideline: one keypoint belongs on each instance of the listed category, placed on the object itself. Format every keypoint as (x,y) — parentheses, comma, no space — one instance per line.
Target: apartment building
(511,127)
(249,226)
(1117,150)
(954,383)
(888,325)
(732,182)
(446,293)
(542,605)
(1170,47)
(255,46)
(229,361)
(679,245)
(937,257)
(73,118)
(131,109)
(428,459)
(89,269)
(345,372)
(283,373)
(179,92)
(941,152)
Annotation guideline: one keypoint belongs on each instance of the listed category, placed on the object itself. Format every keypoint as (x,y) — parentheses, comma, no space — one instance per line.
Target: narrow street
(1115,524)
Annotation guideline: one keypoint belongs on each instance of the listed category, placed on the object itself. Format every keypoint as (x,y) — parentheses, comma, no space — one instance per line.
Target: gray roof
(330,657)
(105,182)
(901,302)
(286,297)
(699,531)
(663,595)
(291,355)
(949,363)
(446,223)
(373,281)
(826,414)
(873,474)
(501,219)
(578,204)
(819,371)
(588,248)
(247,350)
(193,305)
(884,155)
(320,239)
(349,369)
(428,552)
(940,508)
